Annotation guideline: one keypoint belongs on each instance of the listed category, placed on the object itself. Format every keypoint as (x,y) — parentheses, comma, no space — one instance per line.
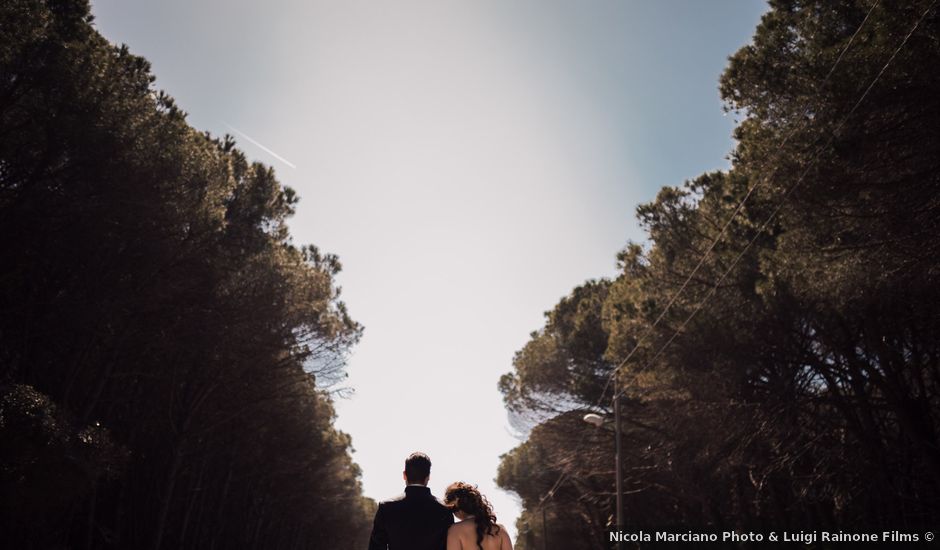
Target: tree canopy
(167,352)
(793,381)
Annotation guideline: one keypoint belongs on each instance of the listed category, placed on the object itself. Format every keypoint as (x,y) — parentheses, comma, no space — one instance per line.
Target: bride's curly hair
(469,500)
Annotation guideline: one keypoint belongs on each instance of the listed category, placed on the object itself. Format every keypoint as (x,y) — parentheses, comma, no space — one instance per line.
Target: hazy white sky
(470,162)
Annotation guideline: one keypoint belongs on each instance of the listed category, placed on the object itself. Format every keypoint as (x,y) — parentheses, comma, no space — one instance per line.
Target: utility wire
(550,494)
(790,190)
(737,210)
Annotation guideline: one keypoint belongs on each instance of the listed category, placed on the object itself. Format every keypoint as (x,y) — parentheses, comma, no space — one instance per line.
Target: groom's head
(417,468)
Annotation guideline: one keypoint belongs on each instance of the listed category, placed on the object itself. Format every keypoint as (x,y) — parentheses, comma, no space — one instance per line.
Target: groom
(415,520)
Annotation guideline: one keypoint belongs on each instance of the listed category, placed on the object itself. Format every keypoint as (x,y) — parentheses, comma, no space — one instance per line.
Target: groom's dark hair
(417,467)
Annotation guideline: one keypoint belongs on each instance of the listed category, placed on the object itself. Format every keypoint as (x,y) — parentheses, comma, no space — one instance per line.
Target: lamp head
(594,419)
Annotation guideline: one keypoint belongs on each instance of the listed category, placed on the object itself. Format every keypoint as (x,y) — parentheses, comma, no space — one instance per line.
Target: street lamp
(594,419)
(598,421)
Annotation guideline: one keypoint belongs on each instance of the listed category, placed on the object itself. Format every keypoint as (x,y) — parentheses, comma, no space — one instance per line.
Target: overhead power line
(550,494)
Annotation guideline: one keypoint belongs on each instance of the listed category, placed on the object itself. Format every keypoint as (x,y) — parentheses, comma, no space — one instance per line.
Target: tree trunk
(167,498)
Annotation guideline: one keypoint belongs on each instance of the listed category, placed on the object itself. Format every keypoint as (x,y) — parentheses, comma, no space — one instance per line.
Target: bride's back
(463,536)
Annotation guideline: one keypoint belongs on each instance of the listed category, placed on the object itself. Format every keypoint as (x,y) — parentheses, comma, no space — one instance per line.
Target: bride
(477,528)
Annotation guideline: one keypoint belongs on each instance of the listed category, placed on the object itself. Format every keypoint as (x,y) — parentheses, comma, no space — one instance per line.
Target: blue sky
(470,162)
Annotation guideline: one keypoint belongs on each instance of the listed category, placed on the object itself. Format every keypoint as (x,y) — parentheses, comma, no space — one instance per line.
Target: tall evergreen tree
(165,350)
(805,392)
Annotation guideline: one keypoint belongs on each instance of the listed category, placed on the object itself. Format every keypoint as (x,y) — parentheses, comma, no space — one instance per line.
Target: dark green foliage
(564,361)
(165,349)
(46,461)
(805,394)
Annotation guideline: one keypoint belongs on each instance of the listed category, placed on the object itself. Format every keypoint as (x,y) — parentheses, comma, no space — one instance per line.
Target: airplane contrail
(265,149)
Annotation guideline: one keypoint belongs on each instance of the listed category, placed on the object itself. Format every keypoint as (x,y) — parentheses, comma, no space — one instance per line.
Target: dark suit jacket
(413,521)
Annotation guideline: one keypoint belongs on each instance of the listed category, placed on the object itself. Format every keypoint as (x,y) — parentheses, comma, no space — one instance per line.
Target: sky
(470,163)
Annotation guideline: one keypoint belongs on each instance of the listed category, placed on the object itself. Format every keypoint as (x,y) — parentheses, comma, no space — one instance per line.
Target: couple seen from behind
(416,520)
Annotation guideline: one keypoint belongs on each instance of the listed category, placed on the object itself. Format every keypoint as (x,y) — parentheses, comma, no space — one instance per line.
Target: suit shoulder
(447,515)
(393,501)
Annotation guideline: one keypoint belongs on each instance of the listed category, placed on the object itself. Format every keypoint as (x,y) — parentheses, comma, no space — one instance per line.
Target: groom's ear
(404,475)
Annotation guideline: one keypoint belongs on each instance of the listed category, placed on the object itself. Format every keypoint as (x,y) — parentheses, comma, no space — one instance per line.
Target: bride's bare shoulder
(464,524)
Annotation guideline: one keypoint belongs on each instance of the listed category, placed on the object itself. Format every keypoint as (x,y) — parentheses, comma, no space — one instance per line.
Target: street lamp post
(618,469)
(544,531)
(598,421)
